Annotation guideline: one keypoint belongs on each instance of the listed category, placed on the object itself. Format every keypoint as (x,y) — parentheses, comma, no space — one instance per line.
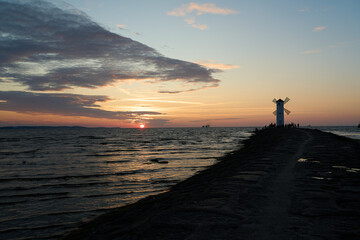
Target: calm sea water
(347,131)
(53,179)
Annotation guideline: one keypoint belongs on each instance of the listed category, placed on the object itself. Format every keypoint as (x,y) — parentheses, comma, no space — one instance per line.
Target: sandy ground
(284,184)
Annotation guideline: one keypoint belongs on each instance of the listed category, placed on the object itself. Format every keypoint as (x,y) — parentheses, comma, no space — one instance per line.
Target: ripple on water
(52,179)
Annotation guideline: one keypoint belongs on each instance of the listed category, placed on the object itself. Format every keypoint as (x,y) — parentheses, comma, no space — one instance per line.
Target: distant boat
(206,126)
(359,125)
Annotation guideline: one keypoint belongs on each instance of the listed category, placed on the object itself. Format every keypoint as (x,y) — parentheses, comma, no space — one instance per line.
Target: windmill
(279,113)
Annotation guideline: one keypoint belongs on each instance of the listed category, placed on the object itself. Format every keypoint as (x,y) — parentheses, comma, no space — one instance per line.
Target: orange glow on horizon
(142,126)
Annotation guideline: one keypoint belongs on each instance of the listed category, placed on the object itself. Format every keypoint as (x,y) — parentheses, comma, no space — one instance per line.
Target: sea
(346,131)
(53,179)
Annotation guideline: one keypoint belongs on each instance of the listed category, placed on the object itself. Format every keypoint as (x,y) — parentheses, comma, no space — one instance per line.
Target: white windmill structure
(279,113)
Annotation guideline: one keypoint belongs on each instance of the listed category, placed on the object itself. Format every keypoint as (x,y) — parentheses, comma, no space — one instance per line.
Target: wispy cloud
(200,26)
(220,66)
(125,28)
(162,101)
(317,29)
(121,26)
(187,90)
(64,104)
(218,119)
(311,51)
(200,9)
(191,10)
(191,21)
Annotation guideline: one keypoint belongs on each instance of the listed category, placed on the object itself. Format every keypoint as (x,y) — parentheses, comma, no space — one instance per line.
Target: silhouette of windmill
(279,113)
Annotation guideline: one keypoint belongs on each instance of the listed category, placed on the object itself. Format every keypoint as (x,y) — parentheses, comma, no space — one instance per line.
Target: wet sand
(283,184)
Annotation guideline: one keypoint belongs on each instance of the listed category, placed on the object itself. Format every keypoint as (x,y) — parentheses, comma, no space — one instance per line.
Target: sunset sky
(118,63)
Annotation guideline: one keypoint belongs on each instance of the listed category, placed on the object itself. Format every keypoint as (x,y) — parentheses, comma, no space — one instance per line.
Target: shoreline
(283,184)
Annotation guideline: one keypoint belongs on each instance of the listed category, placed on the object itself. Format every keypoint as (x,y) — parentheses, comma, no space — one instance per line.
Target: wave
(91,137)
(158,160)
(214,158)
(33,195)
(37,228)
(13,202)
(75,185)
(78,211)
(66,177)
(104,155)
(20,152)
(55,198)
(61,185)
(108,194)
(19,188)
(164,181)
(120,161)
(10,139)
(30,228)
(112,152)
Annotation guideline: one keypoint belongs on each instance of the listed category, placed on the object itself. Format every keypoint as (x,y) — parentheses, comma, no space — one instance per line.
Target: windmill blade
(287,111)
(274,112)
(274,100)
(286,100)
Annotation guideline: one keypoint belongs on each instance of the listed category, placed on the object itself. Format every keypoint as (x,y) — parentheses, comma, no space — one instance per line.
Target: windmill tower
(279,113)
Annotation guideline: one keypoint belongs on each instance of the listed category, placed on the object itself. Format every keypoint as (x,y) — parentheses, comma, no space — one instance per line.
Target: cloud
(121,26)
(200,26)
(195,9)
(45,47)
(162,101)
(217,119)
(312,51)
(200,9)
(191,21)
(179,91)
(125,28)
(187,90)
(154,122)
(317,29)
(220,66)
(64,104)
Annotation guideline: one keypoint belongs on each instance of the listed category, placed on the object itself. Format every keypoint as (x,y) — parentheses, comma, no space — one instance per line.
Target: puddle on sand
(340,167)
(307,160)
(302,160)
(321,178)
(352,170)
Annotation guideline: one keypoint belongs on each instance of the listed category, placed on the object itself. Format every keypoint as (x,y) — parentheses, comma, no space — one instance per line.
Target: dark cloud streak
(63,104)
(48,48)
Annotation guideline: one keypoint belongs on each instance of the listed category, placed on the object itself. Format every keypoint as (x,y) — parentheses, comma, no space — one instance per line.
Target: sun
(142,126)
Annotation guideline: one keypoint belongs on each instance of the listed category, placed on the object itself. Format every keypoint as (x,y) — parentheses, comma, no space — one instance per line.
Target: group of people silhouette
(290,125)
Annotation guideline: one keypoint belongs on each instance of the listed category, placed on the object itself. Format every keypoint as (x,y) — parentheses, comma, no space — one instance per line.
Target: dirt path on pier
(274,220)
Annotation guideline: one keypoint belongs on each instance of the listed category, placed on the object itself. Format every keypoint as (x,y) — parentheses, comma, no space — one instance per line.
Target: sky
(120,63)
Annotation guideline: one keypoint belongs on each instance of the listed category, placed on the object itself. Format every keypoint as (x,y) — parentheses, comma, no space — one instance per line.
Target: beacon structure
(279,113)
